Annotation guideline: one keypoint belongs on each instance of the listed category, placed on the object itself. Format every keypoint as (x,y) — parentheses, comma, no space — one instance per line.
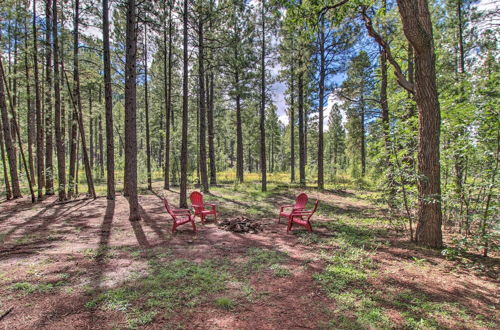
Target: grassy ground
(83,265)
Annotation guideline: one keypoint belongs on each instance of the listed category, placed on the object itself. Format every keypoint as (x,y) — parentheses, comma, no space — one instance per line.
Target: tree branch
(402,81)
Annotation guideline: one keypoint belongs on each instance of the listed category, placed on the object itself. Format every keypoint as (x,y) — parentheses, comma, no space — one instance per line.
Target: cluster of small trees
(182,90)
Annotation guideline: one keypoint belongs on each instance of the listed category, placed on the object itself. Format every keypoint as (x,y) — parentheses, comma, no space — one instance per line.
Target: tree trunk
(146,104)
(184,141)
(167,89)
(363,138)
(8,191)
(321,102)
(49,171)
(239,131)
(108,99)
(292,125)
(91,132)
(76,90)
(30,113)
(101,147)
(263,101)
(130,112)
(61,160)
(38,113)
(417,27)
(211,133)
(81,129)
(302,149)
(16,131)
(202,118)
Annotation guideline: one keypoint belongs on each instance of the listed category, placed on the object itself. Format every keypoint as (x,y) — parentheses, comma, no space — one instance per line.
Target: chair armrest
(285,206)
(181,211)
(210,204)
(302,213)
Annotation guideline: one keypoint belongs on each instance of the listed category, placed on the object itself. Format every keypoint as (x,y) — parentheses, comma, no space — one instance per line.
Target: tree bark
(130,112)
(61,159)
(167,88)
(30,111)
(49,171)
(76,91)
(38,112)
(239,131)
(417,27)
(322,73)
(184,141)
(108,99)
(8,191)
(211,133)
(146,104)
(292,125)
(262,126)
(202,112)
(302,149)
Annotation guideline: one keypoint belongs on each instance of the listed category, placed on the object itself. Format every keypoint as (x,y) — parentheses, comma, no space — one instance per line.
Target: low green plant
(225,303)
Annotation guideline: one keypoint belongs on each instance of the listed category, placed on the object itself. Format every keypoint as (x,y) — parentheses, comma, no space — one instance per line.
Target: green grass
(28,288)
(259,258)
(169,287)
(225,303)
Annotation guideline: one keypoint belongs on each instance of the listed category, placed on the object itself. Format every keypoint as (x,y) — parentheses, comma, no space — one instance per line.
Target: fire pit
(241,225)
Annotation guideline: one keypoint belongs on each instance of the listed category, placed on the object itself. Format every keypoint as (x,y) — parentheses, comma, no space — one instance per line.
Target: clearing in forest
(84,265)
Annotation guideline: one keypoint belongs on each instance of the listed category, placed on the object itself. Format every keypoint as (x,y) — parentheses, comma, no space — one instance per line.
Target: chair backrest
(301,201)
(167,207)
(196,198)
(313,210)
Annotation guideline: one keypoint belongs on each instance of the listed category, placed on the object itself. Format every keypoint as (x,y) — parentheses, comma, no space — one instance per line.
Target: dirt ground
(57,260)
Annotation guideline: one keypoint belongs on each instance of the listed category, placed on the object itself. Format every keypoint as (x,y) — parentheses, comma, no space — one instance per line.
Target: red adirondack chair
(180,216)
(300,204)
(199,207)
(302,218)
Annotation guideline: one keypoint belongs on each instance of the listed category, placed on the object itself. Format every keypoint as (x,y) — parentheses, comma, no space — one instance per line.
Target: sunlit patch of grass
(168,287)
(280,271)
(28,288)
(225,303)
(262,258)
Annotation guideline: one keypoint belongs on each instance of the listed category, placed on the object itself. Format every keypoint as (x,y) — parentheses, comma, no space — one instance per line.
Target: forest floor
(83,265)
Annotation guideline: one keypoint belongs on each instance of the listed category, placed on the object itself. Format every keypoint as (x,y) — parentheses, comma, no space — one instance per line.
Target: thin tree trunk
(130,112)
(101,148)
(30,113)
(167,89)
(91,132)
(302,149)
(76,89)
(321,102)
(81,129)
(184,141)
(239,131)
(146,103)
(211,132)
(61,159)
(49,171)
(16,129)
(38,112)
(363,138)
(108,99)
(202,127)
(7,137)
(292,125)
(8,191)
(263,101)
